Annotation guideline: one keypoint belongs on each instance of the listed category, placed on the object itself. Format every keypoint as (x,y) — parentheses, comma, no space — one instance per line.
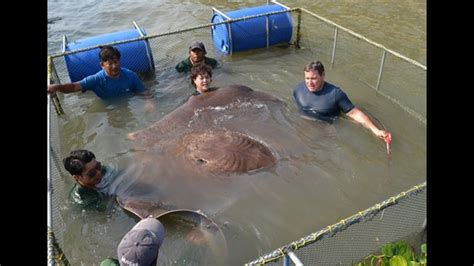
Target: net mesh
(357,237)
(56,233)
(402,217)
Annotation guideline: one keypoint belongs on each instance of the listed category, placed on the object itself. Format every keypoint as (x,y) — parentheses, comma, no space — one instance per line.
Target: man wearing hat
(140,245)
(197,53)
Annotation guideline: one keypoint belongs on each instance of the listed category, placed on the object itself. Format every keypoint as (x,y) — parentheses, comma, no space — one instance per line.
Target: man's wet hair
(108,52)
(200,69)
(77,160)
(316,66)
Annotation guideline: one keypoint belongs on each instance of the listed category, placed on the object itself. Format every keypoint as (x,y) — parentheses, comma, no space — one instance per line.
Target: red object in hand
(388,138)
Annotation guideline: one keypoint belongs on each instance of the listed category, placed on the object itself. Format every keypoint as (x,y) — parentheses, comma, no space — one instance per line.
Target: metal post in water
(56,103)
(64,43)
(295,259)
(49,202)
(150,64)
(382,63)
(298,32)
(268,32)
(228,27)
(334,47)
(282,5)
(286,260)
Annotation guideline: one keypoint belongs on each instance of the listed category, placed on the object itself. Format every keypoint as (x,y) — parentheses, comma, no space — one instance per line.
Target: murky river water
(324,172)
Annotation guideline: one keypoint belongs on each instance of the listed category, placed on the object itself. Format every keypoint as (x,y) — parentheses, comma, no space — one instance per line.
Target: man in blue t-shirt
(111,81)
(320,99)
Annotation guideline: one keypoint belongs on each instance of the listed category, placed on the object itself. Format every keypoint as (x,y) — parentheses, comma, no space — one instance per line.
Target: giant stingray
(208,138)
(190,157)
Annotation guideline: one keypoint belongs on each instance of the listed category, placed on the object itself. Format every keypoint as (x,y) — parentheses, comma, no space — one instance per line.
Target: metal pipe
(286,260)
(49,201)
(220,13)
(64,43)
(295,259)
(275,2)
(267,25)
(49,146)
(298,30)
(138,28)
(54,98)
(268,31)
(382,63)
(229,28)
(334,47)
(148,52)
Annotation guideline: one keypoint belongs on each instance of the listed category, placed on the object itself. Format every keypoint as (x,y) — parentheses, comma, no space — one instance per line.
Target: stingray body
(204,144)
(211,137)
(209,154)
(208,137)
(189,157)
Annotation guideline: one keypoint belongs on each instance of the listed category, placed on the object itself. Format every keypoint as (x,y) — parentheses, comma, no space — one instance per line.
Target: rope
(281,252)
(55,254)
(56,103)
(295,245)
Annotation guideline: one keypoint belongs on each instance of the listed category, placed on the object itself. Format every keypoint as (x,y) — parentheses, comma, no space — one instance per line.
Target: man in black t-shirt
(320,99)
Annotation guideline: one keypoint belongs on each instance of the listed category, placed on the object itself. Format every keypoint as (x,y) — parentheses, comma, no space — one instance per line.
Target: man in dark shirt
(197,53)
(322,100)
(91,180)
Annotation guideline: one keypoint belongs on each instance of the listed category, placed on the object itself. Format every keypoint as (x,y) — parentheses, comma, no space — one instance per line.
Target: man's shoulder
(330,86)
(83,197)
(185,62)
(80,191)
(184,65)
(299,86)
(97,76)
(210,61)
(128,71)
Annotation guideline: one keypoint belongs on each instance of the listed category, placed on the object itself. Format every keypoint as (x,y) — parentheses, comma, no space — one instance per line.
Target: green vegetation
(396,254)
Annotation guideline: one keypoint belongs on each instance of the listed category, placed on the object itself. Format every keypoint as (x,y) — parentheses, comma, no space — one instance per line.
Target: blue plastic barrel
(135,56)
(251,33)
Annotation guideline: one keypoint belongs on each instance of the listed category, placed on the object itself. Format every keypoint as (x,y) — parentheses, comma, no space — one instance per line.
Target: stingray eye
(200,161)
